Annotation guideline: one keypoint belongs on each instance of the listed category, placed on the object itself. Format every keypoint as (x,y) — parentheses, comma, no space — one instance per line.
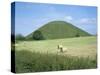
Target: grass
(36,56)
(59,29)
(82,46)
(27,61)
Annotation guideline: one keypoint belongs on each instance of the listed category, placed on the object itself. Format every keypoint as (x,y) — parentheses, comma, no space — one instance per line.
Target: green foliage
(58,30)
(43,55)
(27,61)
(19,37)
(77,35)
(37,35)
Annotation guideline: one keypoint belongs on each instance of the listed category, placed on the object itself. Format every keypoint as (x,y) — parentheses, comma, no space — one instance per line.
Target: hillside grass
(59,29)
(36,56)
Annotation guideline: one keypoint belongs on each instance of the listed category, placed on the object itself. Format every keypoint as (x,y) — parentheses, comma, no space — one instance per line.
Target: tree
(37,35)
(77,35)
(19,37)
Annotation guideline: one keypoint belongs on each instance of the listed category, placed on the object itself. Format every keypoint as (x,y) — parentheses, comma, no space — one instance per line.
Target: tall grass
(27,61)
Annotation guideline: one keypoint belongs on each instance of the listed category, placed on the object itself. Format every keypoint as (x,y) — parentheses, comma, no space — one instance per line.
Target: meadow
(36,56)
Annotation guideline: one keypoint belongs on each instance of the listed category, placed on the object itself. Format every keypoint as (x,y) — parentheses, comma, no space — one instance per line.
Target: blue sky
(31,16)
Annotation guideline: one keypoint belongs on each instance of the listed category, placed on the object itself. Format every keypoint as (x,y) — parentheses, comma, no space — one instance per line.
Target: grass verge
(27,61)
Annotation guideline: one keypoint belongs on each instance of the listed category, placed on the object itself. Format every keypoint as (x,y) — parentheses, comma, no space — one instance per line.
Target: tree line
(37,35)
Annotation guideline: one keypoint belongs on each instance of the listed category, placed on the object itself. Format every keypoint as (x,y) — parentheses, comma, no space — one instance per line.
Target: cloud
(88,21)
(69,18)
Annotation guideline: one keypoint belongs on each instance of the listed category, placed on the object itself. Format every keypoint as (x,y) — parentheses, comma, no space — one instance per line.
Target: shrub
(37,35)
(19,37)
(77,35)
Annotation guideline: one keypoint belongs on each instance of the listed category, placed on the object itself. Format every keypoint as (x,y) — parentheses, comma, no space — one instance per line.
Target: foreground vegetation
(36,56)
(27,61)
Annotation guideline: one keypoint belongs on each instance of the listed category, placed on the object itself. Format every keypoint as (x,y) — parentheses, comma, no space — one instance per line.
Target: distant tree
(37,35)
(77,35)
(19,37)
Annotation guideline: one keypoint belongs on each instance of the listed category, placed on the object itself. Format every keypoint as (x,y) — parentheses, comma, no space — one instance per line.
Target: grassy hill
(59,29)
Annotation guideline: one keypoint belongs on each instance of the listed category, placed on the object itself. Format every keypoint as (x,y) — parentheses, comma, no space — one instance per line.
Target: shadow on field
(26,61)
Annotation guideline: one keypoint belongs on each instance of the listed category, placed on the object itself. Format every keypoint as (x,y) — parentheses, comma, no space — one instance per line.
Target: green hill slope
(59,29)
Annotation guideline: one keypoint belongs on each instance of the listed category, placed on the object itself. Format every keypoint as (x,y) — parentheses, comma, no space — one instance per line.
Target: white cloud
(69,18)
(88,21)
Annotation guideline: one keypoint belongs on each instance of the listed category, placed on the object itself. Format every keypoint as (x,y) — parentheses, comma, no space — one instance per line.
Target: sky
(31,16)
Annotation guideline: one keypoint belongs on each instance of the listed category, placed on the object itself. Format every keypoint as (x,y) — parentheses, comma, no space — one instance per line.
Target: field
(35,56)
